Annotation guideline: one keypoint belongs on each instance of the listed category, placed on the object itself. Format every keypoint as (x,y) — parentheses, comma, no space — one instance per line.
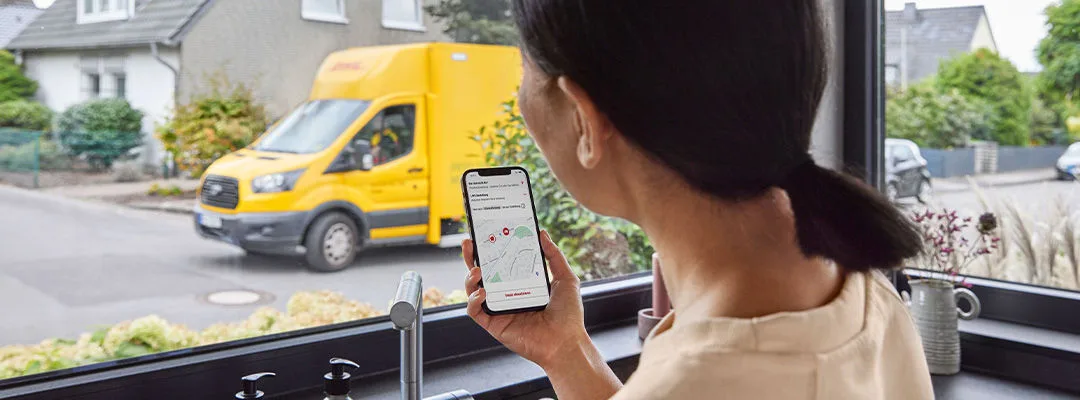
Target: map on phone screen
(507,242)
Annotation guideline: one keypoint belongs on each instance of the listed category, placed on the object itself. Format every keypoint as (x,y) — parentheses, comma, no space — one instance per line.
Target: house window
(103,76)
(324,10)
(91,11)
(93,85)
(120,83)
(403,14)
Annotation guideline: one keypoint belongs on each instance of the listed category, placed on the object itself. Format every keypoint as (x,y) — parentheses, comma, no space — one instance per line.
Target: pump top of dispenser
(250,391)
(337,381)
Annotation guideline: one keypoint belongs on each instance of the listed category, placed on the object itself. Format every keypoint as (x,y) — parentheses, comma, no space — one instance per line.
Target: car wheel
(925,192)
(332,243)
(892,192)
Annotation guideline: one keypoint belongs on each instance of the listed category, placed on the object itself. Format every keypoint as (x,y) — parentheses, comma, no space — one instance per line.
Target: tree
(932,118)
(986,77)
(476,21)
(13,84)
(1059,53)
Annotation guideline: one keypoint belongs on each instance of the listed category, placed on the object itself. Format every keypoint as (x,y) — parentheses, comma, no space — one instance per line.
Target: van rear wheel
(332,243)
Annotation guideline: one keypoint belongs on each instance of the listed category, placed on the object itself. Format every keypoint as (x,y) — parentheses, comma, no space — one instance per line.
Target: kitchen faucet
(407,313)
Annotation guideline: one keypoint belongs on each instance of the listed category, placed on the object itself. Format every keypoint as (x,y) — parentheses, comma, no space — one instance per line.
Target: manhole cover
(237,297)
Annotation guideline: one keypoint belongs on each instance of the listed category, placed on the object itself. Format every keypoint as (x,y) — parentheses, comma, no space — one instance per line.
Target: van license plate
(210,221)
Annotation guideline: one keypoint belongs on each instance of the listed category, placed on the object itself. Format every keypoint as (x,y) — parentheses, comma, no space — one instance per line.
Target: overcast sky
(1018,25)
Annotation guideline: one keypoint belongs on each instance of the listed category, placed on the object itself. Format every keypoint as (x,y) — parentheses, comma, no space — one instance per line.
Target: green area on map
(522,231)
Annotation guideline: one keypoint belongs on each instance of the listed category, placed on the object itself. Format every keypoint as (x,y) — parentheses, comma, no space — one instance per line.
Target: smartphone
(506,239)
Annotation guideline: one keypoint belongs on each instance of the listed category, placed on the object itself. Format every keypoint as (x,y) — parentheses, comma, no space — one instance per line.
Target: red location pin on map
(491,238)
(506,231)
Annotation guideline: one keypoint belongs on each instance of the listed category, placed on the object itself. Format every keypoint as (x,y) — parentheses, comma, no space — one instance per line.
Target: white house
(155,52)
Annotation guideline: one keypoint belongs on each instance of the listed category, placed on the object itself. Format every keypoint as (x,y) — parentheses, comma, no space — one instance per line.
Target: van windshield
(312,126)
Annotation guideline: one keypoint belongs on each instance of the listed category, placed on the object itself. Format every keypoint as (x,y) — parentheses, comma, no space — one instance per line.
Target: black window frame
(213,371)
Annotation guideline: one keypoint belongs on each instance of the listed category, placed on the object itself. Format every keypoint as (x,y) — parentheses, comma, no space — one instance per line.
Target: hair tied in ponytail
(840,218)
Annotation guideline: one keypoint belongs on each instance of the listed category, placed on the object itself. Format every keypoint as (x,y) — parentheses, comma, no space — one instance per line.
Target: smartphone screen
(502,221)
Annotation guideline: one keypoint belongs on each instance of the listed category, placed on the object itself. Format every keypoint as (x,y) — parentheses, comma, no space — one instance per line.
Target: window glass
(121,85)
(989,111)
(324,8)
(312,126)
(390,133)
(167,192)
(902,153)
(401,11)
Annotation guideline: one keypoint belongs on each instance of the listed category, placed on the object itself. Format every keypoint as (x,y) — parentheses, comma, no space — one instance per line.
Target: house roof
(15,15)
(154,21)
(933,35)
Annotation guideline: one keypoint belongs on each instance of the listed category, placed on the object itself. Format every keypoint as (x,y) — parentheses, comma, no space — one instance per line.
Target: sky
(1018,25)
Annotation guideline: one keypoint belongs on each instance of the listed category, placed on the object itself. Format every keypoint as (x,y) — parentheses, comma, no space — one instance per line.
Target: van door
(397,184)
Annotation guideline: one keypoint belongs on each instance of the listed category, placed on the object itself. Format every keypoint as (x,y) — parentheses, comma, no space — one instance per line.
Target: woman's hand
(554,338)
(538,336)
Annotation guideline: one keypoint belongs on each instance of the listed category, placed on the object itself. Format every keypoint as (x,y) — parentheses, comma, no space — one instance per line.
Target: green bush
(21,157)
(13,84)
(100,130)
(934,119)
(591,242)
(212,124)
(25,115)
(984,76)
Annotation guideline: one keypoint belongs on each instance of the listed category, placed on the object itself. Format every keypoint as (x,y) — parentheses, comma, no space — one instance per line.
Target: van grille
(220,191)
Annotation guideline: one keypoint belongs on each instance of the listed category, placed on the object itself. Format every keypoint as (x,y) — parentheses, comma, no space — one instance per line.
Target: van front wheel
(331,243)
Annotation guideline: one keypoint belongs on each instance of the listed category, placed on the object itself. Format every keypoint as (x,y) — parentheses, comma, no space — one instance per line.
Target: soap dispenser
(250,392)
(337,381)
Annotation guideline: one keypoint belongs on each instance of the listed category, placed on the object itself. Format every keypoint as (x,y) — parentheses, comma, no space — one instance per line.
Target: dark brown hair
(724,93)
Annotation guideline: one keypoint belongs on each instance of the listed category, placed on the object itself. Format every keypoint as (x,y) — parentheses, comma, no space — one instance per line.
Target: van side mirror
(361,153)
(354,156)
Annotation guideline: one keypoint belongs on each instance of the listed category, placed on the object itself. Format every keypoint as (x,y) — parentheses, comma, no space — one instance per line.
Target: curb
(966,186)
(169,208)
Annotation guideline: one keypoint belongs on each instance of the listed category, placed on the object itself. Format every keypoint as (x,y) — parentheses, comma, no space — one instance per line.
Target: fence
(28,157)
(961,162)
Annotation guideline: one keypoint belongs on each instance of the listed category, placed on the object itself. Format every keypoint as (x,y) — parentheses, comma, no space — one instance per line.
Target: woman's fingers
(475,310)
(560,268)
(467,253)
(472,280)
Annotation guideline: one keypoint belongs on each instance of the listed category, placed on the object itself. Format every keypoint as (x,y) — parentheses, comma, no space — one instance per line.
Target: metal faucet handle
(407,302)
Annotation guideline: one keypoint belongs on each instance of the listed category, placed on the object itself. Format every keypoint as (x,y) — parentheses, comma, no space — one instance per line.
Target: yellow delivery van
(372,158)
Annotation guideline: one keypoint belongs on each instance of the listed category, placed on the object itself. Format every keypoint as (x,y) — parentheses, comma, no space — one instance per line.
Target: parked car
(1068,165)
(906,174)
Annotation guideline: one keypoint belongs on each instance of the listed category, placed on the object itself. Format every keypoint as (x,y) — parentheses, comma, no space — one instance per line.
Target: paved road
(1036,198)
(68,265)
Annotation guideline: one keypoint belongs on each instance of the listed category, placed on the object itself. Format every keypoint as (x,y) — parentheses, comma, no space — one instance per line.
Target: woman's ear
(592,127)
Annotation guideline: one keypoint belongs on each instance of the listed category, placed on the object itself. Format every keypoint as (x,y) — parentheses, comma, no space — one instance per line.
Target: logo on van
(214,189)
(351,66)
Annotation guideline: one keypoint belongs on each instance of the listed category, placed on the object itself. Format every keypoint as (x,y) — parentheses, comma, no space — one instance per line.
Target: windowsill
(318,17)
(502,374)
(404,26)
(101,17)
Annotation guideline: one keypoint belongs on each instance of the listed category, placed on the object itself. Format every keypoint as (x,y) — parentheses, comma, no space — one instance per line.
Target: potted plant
(952,243)
(661,304)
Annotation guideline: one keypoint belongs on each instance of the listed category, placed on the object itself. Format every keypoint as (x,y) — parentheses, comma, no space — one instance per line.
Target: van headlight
(273,183)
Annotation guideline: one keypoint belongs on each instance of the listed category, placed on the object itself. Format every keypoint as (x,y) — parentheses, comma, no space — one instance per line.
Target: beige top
(862,345)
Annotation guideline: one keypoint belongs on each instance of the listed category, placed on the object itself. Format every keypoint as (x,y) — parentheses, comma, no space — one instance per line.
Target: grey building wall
(267,45)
